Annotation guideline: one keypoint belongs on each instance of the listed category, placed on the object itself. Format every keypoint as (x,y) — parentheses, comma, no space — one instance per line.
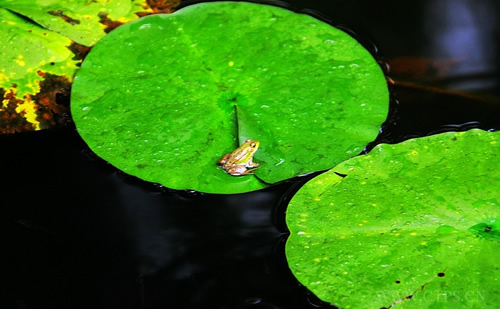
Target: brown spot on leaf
(109,23)
(51,112)
(66,18)
(46,116)
(80,51)
(163,6)
(10,122)
(51,106)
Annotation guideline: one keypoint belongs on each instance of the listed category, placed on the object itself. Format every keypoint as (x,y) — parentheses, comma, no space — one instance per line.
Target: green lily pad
(79,20)
(412,225)
(165,97)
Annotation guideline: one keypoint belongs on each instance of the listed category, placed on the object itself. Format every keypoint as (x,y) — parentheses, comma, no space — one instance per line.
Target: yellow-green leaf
(79,20)
(29,53)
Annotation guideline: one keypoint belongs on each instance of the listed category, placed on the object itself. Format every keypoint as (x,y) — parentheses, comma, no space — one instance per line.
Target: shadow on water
(80,230)
(82,234)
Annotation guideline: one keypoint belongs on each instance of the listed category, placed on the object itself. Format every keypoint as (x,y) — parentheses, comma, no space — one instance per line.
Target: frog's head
(252,144)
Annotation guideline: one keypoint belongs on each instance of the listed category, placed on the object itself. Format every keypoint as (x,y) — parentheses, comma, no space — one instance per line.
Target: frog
(240,161)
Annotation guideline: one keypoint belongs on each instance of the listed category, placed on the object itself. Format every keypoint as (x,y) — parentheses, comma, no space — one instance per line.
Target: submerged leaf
(164,97)
(412,225)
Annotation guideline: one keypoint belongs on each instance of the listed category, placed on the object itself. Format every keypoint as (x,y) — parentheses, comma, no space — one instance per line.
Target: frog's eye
(253,145)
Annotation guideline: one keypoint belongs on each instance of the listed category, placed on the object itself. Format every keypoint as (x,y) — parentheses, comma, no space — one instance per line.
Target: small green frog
(238,162)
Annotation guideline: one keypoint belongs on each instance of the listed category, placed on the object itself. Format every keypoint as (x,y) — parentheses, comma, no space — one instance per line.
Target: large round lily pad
(413,225)
(163,98)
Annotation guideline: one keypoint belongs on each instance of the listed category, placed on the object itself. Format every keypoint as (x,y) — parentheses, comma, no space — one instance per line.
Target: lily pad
(80,20)
(164,97)
(28,54)
(40,58)
(412,225)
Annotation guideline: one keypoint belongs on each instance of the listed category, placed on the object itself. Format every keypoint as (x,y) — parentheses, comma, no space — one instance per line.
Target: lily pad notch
(160,92)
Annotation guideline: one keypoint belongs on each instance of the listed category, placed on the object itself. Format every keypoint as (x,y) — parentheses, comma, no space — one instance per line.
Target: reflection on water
(465,32)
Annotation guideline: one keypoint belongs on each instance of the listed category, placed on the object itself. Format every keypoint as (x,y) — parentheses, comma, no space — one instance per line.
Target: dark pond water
(81,234)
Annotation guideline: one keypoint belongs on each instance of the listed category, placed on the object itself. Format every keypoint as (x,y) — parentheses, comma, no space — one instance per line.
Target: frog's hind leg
(249,171)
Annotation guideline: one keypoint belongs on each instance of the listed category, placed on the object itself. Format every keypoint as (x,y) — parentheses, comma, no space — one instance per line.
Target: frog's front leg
(250,163)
